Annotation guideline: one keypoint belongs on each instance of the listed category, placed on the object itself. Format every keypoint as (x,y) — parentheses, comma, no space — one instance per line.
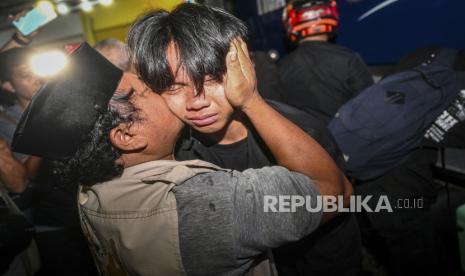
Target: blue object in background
(400,27)
(392,29)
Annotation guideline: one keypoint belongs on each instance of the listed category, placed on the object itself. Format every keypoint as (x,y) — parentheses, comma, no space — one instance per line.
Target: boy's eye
(210,81)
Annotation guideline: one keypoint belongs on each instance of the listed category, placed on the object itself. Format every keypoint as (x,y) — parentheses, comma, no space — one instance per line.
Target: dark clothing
(318,77)
(64,252)
(267,72)
(54,204)
(405,237)
(62,247)
(421,55)
(234,155)
(335,247)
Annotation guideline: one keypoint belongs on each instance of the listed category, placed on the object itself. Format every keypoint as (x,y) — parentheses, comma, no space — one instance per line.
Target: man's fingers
(3,144)
(18,15)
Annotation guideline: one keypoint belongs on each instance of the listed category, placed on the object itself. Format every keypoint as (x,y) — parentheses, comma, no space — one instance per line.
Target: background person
(319,76)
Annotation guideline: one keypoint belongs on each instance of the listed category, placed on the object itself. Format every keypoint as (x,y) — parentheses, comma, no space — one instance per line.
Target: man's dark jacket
(318,77)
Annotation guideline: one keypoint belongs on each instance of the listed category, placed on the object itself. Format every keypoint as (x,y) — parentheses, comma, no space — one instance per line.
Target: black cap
(65,109)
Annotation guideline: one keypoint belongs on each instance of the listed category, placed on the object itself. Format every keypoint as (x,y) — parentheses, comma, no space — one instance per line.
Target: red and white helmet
(304,18)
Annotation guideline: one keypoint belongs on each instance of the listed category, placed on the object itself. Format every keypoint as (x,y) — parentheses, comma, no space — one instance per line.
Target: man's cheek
(176,105)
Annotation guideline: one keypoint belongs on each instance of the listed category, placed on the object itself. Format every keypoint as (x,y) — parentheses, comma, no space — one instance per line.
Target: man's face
(157,122)
(24,82)
(208,111)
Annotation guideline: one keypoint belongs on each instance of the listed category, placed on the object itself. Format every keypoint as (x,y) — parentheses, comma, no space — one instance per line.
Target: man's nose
(197,101)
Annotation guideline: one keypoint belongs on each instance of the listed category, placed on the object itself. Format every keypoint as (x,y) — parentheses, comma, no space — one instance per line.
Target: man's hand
(25,40)
(12,172)
(240,81)
(3,145)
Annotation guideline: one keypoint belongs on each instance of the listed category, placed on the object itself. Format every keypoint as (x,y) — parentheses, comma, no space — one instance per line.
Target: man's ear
(8,87)
(124,139)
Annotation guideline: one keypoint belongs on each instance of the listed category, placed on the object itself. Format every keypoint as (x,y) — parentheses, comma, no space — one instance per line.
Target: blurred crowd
(69,184)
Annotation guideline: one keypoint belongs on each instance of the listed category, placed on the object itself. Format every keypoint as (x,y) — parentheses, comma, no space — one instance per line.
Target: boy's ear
(122,138)
(8,87)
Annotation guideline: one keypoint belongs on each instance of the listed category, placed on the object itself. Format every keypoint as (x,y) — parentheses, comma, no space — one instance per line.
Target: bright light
(106,2)
(49,63)
(86,6)
(45,6)
(62,8)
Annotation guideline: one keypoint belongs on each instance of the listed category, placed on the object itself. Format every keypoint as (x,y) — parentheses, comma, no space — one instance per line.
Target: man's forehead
(21,68)
(130,82)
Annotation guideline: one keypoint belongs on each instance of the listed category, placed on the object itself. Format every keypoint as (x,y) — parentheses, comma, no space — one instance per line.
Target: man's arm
(232,216)
(13,173)
(18,40)
(291,146)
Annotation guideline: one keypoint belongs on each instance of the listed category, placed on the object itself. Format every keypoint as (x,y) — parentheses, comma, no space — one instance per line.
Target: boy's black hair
(201,34)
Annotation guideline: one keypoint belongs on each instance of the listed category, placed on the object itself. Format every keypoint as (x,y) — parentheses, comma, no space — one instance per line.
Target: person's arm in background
(32,164)
(360,76)
(13,173)
(291,146)
(18,40)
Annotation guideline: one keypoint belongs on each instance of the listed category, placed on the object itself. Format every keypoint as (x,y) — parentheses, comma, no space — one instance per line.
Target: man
(319,76)
(18,82)
(17,79)
(181,55)
(146,214)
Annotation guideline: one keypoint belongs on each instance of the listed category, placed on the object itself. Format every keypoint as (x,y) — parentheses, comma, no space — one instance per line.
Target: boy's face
(208,111)
(24,82)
